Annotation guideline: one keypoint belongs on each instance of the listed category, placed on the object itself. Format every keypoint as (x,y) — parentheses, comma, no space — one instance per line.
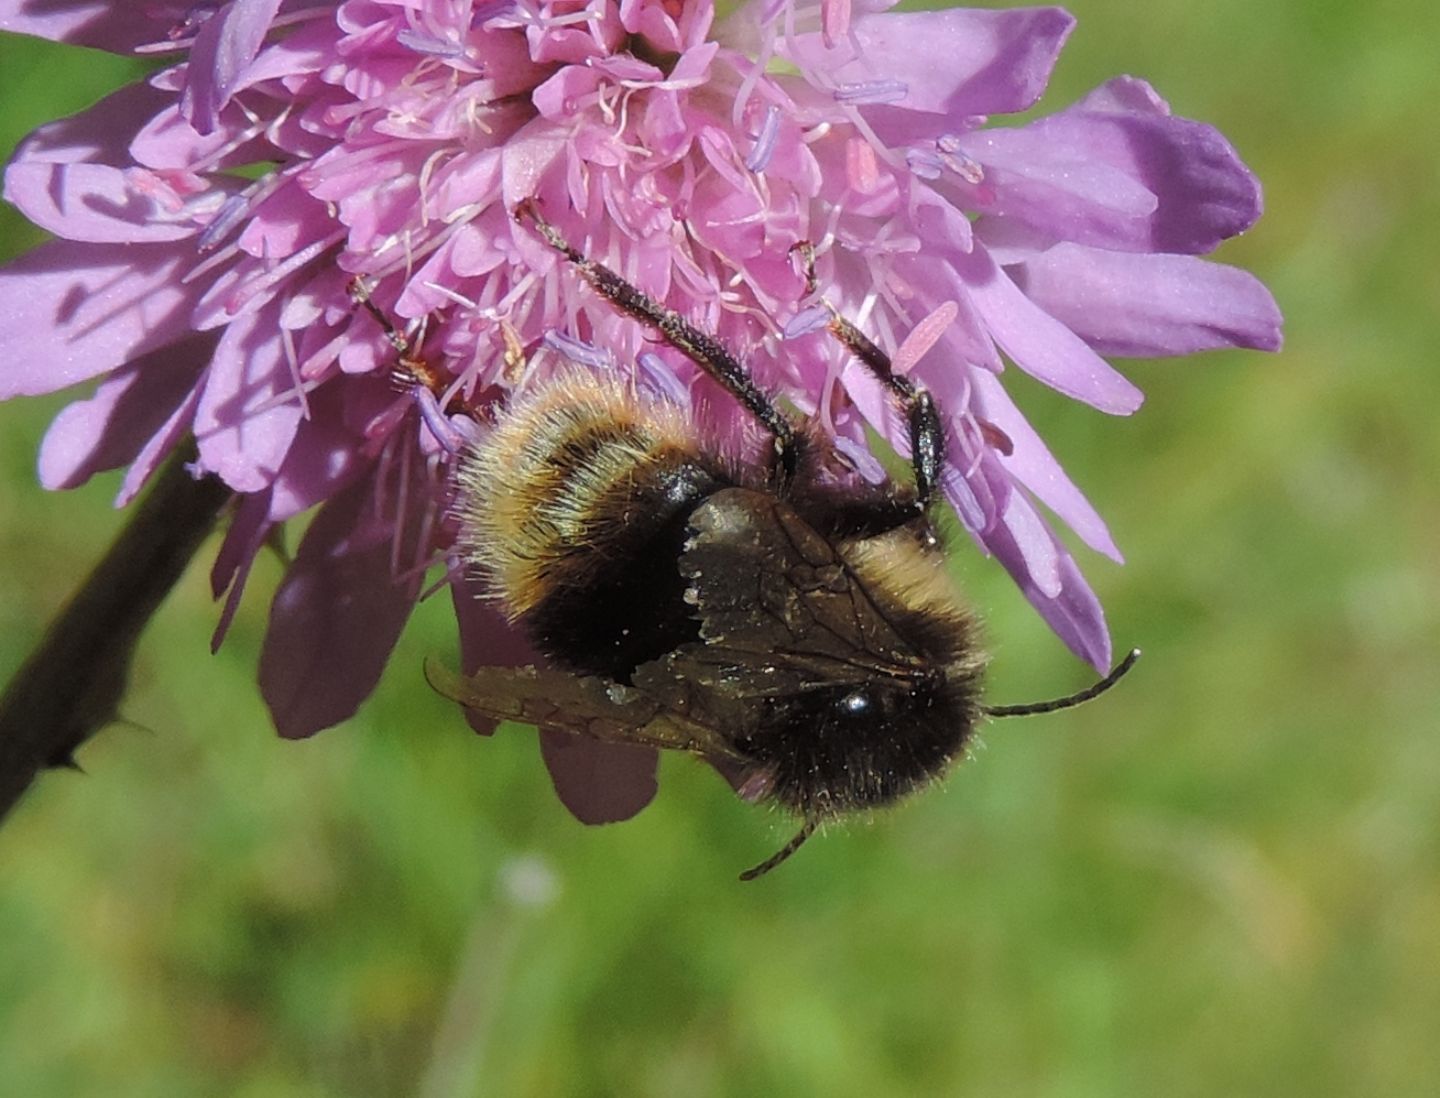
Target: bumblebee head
(840,747)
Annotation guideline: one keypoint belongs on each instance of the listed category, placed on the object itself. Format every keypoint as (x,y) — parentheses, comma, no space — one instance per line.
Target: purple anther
(446,431)
(764,146)
(860,459)
(232,211)
(925,163)
(429,44)
(812,319)
(872,91)
(655,371)
(578,351)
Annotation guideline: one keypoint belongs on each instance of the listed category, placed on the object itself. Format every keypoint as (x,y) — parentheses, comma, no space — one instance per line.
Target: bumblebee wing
(587,706)
(777,603)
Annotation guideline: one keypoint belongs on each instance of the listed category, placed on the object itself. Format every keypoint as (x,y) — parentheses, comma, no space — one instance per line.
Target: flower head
(212,222)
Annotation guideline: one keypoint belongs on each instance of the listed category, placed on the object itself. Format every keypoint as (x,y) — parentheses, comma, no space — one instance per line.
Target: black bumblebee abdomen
(630,608)
(577,506)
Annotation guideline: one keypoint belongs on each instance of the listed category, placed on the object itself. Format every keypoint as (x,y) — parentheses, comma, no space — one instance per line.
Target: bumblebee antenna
(780,855)
(1070,700)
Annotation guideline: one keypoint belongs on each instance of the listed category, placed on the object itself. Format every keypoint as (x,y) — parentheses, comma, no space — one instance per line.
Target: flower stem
(71,685)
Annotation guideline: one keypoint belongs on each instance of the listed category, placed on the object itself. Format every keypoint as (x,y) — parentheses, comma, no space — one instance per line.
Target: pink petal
(335,618)
(224,47)
(470,179)
(579,43)
(72,311)
(305,49)
(599,782)
(1032,464)
(968,495)
(327,453)
(248,411)
(243,542)
(176,428)
(965,342)
(104,24)
(656,22)
(486,639)
(1124,303)
(243,538)
(166,141)
(530,162)
(1127,95)
(109,428)
(1058,187)
(283,223)
(570,91)
(1039,344)
(94,203)
(1204,192)
(958,62)
(1060,593)
(693,68)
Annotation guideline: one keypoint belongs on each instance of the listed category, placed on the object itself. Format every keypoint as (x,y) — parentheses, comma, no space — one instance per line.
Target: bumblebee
(796,630)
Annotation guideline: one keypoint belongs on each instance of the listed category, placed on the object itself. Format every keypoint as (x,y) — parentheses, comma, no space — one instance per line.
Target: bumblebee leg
(927,433)
(414,375)
(699,347)
(360,290)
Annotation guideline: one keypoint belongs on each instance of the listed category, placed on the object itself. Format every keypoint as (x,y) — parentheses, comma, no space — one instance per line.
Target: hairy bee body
(576,510)
(803,632)
(799,631)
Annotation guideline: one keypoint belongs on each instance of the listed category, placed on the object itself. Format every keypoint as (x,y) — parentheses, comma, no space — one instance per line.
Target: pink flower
(211,221)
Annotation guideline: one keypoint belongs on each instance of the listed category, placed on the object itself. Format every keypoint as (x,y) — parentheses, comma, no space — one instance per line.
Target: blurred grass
(1221,880)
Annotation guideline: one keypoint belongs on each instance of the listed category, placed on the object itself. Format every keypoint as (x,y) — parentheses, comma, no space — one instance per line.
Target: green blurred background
(1222,879)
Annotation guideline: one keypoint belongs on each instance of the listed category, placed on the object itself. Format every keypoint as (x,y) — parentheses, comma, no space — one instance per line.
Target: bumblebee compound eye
(855,705)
